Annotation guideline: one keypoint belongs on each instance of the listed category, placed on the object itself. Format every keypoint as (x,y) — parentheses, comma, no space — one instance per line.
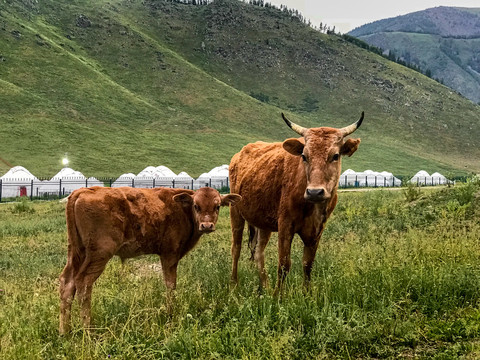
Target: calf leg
(67,293)
(169,269)
(238,224)
(262,240)
(91,269)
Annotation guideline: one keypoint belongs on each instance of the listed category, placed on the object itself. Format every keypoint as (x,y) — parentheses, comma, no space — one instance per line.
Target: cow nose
(207,226)
(315,194)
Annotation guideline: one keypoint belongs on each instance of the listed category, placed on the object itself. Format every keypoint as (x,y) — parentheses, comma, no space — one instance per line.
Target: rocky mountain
(443,41)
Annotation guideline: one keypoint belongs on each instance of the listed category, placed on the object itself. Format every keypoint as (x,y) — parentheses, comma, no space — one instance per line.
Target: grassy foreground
(392,279)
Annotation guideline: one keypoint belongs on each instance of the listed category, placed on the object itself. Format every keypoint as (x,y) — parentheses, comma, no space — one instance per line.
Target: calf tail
(76,248)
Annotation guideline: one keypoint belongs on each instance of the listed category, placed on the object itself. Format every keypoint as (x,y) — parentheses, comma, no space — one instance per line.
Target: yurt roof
(421,173)
(68,172)
(183,174)
(18,172)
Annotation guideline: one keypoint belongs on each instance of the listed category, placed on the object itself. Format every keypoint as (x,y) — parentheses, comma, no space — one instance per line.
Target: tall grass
(392,279)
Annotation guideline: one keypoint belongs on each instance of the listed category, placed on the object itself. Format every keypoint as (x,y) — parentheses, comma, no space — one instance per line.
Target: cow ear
(293,146)
(231,199)
(185,198)
(350,146)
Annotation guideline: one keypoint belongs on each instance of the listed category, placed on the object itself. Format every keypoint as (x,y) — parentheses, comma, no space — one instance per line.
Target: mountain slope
(119,85)
(443,40)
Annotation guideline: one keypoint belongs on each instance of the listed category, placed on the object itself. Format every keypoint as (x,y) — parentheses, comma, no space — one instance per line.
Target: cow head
(321,151)
(205,204)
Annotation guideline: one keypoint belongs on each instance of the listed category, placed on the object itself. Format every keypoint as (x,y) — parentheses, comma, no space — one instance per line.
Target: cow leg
(262,240)
(308,258)
(67,293)
(238,224)
(91,269)
(284,261)
(169,269)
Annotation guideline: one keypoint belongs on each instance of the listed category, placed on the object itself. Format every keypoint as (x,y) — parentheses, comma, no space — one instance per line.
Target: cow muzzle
(207,227)
(316,195)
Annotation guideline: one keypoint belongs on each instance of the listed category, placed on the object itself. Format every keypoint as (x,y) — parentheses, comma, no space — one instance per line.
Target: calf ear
(293,146)
(350,146)
(231,199)
(185,198)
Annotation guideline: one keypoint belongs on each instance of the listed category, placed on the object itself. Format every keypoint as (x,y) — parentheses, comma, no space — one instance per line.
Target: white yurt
(348,178)
(66,181)
(368,178)
(183,180)
(154,177)
(124,180)
(163,171)
(18,182)
(183,175)
(439,179)
(421,178)
(388,179)
(217,178)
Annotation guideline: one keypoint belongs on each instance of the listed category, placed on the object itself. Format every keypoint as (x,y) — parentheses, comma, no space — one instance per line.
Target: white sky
(346,15)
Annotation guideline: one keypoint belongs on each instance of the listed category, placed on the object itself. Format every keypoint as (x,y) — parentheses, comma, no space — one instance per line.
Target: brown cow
(128,222)
(289,187)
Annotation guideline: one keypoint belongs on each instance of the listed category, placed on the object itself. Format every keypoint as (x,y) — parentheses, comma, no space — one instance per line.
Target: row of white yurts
(162,176)
(369,178)
(19,181)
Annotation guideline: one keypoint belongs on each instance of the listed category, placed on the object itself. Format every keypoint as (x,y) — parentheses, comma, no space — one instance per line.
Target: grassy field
(397,275)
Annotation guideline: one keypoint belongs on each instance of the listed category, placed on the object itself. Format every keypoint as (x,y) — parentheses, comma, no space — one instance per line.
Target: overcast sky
(346,15)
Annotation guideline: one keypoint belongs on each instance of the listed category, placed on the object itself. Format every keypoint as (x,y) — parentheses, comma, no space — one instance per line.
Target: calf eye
(196,207)
(218,207)
(335,157)
(304,158)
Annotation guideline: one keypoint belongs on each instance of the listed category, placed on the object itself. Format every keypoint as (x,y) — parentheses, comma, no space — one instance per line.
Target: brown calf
(128,222)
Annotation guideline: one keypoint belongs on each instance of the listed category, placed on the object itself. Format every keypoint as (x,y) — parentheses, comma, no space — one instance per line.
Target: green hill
(444,41)
(119,85)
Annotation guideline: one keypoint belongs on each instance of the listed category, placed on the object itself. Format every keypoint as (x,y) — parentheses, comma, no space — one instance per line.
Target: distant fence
(53,189)
(368,180)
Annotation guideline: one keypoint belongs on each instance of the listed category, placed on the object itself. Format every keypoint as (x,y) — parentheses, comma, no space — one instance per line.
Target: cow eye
(336,157)
(218,207)
(196,207)
(304,158)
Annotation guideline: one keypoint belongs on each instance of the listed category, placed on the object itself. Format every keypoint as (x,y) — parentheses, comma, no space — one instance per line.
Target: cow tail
(76,248)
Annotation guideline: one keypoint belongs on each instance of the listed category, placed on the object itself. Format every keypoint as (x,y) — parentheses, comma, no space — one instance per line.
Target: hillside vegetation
(119,85)
(444,41)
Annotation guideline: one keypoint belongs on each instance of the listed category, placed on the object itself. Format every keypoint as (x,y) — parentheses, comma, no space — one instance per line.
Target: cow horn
(297,128)
(351,128)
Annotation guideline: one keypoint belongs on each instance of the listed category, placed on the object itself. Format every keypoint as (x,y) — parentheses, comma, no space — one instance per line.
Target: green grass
(136,89)
(392,279)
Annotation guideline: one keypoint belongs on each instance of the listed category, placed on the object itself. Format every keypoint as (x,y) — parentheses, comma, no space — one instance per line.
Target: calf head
(205,204)
(321,151)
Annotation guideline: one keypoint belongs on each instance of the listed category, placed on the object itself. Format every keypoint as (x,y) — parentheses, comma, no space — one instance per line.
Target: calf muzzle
(206,227)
